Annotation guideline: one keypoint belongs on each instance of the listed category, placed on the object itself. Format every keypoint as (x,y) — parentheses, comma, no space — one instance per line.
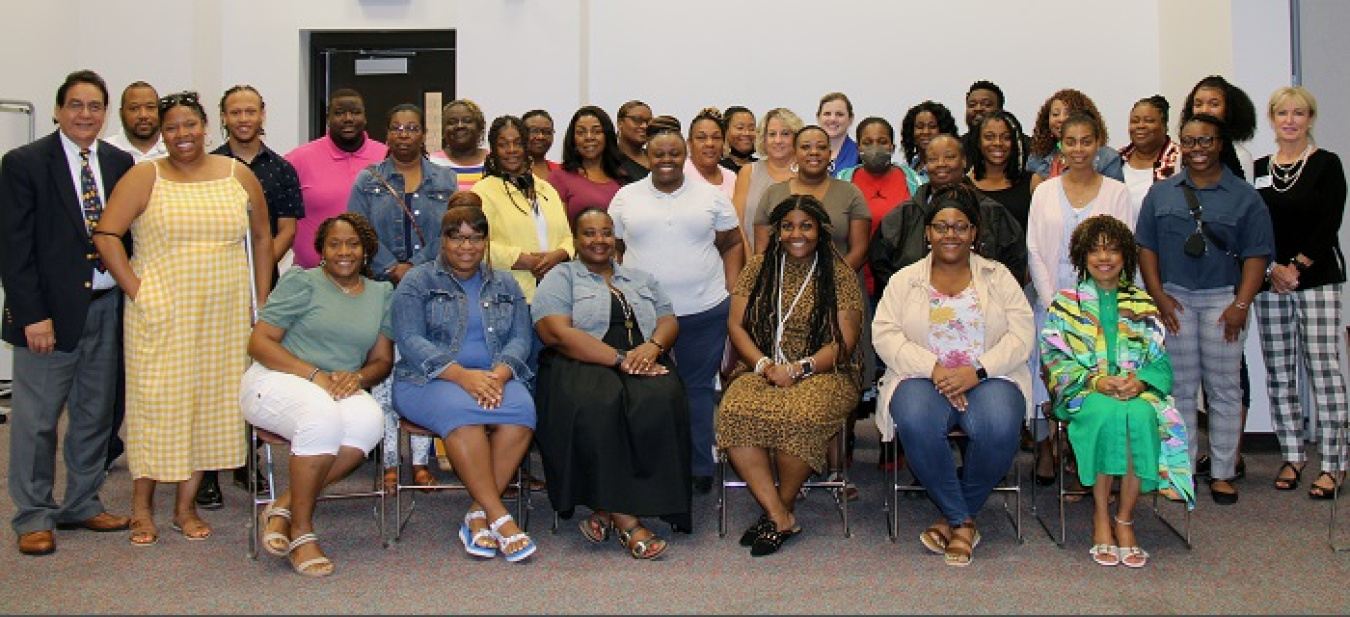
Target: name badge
(1263,182)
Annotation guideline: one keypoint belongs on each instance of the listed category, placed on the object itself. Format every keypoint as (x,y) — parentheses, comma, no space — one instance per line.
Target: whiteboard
(17,126)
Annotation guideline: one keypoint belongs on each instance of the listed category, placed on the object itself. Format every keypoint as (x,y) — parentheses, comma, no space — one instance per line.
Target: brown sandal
(649,548)
(143,531)
(193,528)
(960,549)
(423,476)
(935,538)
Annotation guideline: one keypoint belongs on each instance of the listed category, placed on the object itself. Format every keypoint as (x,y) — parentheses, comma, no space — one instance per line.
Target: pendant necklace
(345,290)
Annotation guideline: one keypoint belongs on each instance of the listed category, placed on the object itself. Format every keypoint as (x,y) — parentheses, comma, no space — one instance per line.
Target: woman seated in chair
(955,331)
(322,338)
(463,334)
(796,315)
(613,417)
(1111,380)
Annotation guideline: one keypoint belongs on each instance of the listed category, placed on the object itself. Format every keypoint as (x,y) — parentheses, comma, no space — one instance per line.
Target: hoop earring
(793,167)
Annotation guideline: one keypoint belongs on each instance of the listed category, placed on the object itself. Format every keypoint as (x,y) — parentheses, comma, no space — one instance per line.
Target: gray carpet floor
(1268,554)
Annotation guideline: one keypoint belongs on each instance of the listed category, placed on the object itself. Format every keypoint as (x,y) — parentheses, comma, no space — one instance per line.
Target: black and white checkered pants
(1306,320)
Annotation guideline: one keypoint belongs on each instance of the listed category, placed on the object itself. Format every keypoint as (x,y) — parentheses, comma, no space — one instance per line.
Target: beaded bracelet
(314,374)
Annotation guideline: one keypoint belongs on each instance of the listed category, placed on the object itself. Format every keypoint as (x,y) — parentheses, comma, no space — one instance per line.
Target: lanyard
(779,356)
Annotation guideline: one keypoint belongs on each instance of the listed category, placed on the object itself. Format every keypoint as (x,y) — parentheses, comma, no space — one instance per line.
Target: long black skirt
(613,442)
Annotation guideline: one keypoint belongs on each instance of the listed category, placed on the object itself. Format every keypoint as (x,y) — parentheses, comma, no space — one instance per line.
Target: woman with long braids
(796,316)
(519,205)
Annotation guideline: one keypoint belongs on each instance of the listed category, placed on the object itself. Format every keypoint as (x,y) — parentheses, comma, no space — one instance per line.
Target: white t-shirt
(672,236)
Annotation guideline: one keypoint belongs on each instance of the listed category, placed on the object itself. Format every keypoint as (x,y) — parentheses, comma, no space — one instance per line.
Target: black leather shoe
(208,493)
(241,480)
(770,540)
(703,484)
(748,538)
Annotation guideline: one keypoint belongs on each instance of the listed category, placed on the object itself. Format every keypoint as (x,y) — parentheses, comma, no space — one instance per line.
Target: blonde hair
(1281,95)
(782,113)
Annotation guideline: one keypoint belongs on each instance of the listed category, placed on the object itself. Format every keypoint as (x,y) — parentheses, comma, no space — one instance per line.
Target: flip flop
(143,528)
(194,528)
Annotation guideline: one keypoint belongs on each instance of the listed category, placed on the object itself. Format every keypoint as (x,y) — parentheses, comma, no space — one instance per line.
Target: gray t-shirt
(324,326)
(843,202)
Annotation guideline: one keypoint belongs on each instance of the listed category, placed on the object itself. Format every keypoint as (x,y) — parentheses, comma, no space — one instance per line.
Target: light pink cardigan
(1045,225)
(901,326)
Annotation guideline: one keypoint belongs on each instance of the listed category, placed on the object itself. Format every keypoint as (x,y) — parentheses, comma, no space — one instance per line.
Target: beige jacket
(900,330)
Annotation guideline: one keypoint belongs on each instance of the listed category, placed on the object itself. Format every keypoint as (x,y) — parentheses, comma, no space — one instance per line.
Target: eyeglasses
(406,128)
(1203,141)
(943,229)
(80,107)
(540,132)
(459,240)
(178,98)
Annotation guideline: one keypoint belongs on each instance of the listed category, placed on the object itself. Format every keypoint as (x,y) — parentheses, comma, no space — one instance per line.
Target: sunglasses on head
(178,98)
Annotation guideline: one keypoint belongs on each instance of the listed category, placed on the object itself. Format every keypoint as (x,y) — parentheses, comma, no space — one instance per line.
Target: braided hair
(761,312)
(370,241)
(1015,167)
(492,167)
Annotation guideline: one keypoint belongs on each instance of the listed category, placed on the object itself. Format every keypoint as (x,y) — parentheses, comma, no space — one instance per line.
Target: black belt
(99,293)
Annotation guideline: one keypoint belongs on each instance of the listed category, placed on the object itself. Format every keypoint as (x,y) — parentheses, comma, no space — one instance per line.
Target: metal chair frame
(1059,432)
(1013,487)
(268,439)
(407,429)
(837,488)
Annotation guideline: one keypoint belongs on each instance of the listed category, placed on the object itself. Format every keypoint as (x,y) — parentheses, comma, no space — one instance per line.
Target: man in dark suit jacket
(61,316)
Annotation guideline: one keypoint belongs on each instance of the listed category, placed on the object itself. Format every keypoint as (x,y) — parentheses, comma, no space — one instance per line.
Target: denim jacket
(570,289)
(430,318)
(1106,161)
(372,199)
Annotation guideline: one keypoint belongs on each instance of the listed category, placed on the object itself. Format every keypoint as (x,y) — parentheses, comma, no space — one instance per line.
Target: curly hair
(610,155)
(1108,230)
(1239,111)
(946,126)
(1042,140)
(1015,168)
(761,313)
(370,241)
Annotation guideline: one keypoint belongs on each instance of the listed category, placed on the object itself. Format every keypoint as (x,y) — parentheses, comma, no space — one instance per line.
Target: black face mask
(748,155)
(875,159)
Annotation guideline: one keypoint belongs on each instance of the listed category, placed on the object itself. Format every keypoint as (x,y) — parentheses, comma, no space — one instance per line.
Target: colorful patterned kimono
(1074,352)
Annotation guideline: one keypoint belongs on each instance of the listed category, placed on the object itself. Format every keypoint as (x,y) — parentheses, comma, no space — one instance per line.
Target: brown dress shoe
(102,521)
(37,543)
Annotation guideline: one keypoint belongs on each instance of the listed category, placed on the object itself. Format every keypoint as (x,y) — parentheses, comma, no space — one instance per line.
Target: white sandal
(470,538)
(504,541)
(274,542)
(307,567)
(1105,554)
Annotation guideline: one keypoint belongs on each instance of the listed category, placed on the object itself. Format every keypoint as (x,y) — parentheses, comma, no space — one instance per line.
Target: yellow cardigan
(511,225)
(900,330)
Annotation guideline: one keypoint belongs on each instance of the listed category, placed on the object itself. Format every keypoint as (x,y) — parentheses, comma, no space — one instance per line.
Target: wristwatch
(619,357)
(979,370)
(808,367)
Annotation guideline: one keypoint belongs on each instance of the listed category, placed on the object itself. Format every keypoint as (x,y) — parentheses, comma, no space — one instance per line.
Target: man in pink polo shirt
(328,166)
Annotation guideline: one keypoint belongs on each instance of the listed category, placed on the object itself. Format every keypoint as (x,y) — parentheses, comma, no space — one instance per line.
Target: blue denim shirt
(1107,163)
(571,289)
(430,318)
(372,199)
(1233,211)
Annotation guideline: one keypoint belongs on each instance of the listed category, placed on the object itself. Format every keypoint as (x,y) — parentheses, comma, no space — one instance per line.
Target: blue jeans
(992,420)
(698,356)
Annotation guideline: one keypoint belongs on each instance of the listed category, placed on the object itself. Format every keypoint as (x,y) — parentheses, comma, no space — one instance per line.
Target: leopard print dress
(800,419)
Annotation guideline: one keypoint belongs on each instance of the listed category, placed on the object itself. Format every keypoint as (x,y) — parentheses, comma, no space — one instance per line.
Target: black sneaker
(208,493)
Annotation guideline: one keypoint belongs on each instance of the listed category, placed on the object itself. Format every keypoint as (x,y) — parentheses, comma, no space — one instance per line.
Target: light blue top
(431,321)
(573,290)
(385,211)
(1107,163)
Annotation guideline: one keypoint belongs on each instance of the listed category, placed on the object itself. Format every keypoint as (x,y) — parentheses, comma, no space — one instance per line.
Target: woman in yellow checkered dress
(188,319)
